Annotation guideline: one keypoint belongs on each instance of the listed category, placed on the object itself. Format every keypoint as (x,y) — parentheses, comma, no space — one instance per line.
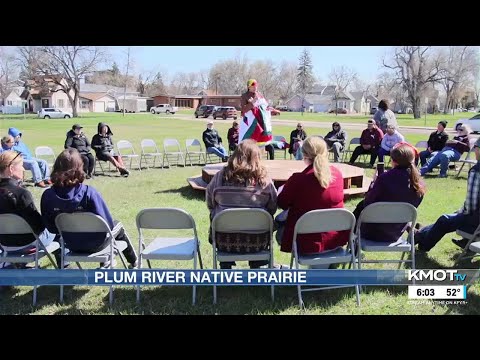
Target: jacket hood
(14,132)
(70,197)
(335,124)
(70,133)
(109,132)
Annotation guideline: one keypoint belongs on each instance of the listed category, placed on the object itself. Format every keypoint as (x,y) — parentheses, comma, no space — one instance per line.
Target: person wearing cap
(38,167)
(232,136)
(213,142)
(370,141)
(76,139)
(296,139)
(336,140)
(465,219)
(436,142)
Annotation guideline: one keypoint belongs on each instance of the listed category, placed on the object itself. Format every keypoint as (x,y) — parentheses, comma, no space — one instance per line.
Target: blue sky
(365,60)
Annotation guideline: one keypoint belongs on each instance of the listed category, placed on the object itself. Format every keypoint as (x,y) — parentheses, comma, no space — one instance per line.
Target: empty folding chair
(126,151)
(387,213)
(169,247)
(149,150)
(87,223)
(193,147)
(472,238)
(320,221)
(11,224)
(171,148)
(46,153)
(256,223)
(469,158)
(421,145)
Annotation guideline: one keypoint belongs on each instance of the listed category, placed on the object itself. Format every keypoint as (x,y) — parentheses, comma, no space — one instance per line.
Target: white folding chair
(86,223)
(147,144)
(472,239)
(46,153)
(11,224)
(246,221)
(349,150)
(387,213)
(467,159)
(168,146)
(422,145)
(168,248)
(126,151)
(320,221)
(193,147)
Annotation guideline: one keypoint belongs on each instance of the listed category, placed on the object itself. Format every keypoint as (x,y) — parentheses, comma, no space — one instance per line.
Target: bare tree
(415,67)
(287,80)
(342,77)
(265,72)
(229,76)
(305,78)
(8,69)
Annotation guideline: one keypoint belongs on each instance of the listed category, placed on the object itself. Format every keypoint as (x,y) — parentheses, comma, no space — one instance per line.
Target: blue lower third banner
(107,277)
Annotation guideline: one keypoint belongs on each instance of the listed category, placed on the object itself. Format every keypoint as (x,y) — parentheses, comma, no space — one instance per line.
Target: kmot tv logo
(436,275)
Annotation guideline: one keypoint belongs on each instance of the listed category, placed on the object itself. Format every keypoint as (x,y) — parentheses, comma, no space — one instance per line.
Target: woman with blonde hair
(319,186)
(247,178)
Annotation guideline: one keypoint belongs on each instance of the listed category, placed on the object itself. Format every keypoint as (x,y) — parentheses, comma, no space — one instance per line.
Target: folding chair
(11,224)
(422,145)
(244,221)
(467,159)
(128,152)
(146,144)
(86,223)
(172,143)
(320,221)
(168,248)
(349,150)
(192,143)
(282,139)
(387,213)
(45,151)
(472,238)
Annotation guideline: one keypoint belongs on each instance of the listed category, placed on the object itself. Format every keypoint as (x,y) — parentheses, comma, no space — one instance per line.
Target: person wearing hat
(213,142)
(370,141)
(465,219)
(436,142)
(76,139)
(296,139)
(232,136)
(336,140)
(38,167)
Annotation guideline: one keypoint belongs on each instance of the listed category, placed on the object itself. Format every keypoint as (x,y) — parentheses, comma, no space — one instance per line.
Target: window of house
(9,102)
(84,104)
(61,103)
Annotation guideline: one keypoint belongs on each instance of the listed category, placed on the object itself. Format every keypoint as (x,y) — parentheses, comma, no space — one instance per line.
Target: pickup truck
(164,108)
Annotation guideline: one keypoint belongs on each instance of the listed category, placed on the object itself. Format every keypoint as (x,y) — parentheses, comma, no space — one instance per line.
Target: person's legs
(381,154)
(44,168)
(424,155)
(91,164)
(337,150)
(271,151)
(430,235)
(432,163)
(299,154)
(445,158)
(373,155)
(356,153)
(216,151)
(86,162)
(32,165)
(121,235)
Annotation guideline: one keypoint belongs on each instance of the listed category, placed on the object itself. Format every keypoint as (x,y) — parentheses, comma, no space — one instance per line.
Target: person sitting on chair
(69,195)
(232,136)
(390,139)
(296,139)
(336,140)
(436,142)
(369,143)
(76,139)
(213,142)
(102,143)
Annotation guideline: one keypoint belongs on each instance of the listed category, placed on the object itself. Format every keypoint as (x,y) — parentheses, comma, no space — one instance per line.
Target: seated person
(296,139)
(213,142)
(369,143)
(400,184)
(336,140)
(6,143)
(452,151)
(232,136)
(76,139)
(466,219)
(14,199)
(38,167)
(319,186)
(102,143)
(69,195)
(390,139)
(244,171)
(436,142)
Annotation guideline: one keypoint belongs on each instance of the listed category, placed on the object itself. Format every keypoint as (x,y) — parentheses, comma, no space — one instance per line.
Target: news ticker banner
(100,277)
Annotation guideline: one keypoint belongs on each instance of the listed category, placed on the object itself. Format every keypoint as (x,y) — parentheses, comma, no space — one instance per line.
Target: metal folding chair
(126,151)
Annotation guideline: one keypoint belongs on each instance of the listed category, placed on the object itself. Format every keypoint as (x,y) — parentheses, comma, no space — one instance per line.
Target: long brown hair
(404,156)
(244,166)
(315,148)
(68,169)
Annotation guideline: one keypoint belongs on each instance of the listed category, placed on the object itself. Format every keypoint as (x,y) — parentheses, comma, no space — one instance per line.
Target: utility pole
(126,80)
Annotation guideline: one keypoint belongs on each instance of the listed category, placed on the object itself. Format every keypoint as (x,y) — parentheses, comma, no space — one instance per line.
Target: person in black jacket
(103,145)
(76,139)
(213,142)
(436,142)
(296,139)
(14,199)
(336,140)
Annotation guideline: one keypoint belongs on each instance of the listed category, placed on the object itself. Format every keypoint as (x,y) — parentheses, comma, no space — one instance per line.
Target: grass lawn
(168,188)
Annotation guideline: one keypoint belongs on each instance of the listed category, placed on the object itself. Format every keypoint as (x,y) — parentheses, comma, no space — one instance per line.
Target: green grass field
(168,187)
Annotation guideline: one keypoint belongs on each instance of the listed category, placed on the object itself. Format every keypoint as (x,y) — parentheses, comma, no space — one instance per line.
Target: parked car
(205,111)
(53,113)
(473,122)
(339,111)
(225,112)
(283,108)
(163,108)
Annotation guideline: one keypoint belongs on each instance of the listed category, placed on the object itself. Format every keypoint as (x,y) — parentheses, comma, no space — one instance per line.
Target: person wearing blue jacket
(68,194)
(38,167)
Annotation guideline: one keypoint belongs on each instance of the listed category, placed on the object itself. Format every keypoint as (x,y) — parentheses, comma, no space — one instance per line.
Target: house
(204,97)
(322,99)
(107,98)
(43,92)
(96,102)
(361,103)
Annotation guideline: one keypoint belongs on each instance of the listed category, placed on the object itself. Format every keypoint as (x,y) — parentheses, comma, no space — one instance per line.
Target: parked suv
(225,112)
(164,108)
(205,111)
(53,113)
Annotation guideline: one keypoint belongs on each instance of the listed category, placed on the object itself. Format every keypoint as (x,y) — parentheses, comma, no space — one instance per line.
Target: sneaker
(49,182)
(124,172)
(443,176)
(281,267)
(42,185)
(106,265)
(461,243)
(134,265)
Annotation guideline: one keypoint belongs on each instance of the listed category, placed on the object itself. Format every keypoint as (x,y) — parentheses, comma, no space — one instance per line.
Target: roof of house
(345,95)
(315,99)
(93,96)
(97,88)
(357,95)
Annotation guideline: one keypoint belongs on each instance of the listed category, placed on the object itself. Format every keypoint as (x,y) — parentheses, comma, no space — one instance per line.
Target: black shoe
(461,243)
(124,172)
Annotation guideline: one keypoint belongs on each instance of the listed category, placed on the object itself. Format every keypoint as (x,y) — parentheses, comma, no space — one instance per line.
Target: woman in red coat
(319,186)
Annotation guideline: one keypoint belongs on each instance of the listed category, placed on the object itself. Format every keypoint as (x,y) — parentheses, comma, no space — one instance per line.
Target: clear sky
(365,60)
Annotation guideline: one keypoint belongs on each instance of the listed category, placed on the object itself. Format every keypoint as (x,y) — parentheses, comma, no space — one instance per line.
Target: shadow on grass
(187,192)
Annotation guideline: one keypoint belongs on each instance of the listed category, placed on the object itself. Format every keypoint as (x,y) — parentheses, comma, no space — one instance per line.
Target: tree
(287,80)
(305,78)
(342,77)
(8,69)
(229,76)
(415,67)
(265,72)
(66,65)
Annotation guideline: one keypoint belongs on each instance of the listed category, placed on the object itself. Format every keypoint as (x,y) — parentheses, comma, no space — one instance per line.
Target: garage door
(99,106)
(111,106)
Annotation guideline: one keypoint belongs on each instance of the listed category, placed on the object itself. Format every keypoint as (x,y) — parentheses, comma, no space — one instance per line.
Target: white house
(322,99)
(361,103)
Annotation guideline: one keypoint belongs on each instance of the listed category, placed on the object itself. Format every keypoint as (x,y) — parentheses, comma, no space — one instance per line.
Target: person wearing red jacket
(369,143)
